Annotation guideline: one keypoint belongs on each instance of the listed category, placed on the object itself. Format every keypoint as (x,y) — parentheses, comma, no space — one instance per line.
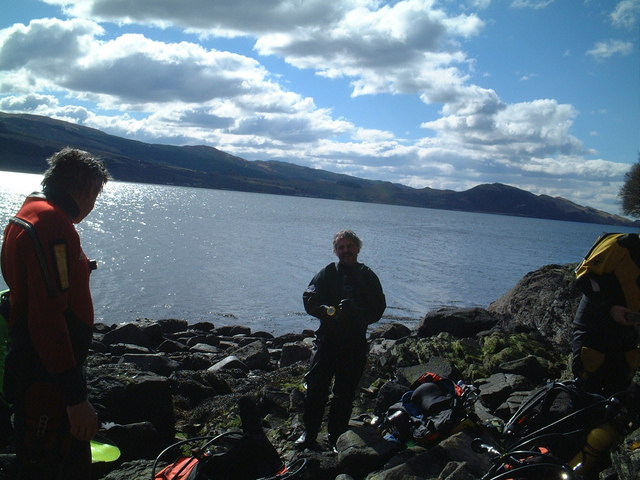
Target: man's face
(86,203)
(347,251)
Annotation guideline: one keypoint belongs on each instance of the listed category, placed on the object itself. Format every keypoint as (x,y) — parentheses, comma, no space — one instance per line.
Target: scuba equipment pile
(246,455)
(434,408)
(562,430)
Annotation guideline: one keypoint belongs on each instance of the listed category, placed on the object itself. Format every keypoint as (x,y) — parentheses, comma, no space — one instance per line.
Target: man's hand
(623,315)
(83,420)
(347,307)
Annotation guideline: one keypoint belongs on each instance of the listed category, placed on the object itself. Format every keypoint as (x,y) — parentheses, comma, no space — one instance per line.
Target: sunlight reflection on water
(243,258)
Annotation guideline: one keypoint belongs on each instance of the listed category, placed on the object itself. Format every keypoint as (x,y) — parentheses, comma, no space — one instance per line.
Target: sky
(543,95)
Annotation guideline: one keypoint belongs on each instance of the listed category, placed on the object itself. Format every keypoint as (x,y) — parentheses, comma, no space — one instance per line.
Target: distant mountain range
(27,140)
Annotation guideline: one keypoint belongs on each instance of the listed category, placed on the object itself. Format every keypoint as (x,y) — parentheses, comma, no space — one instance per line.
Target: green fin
(103,452)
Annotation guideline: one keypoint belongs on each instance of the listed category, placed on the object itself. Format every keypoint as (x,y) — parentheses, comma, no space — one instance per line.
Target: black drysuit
(341,344)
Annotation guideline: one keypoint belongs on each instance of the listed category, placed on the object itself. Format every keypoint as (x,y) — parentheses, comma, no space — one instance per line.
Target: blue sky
(543,95)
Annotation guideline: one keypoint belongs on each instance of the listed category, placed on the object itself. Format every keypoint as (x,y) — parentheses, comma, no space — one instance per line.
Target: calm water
(243,258)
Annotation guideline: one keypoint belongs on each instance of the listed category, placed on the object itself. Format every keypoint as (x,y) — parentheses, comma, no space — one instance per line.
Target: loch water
(236,258)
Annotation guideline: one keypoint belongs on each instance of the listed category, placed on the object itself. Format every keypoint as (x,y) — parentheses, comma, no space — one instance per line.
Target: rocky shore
(156,381)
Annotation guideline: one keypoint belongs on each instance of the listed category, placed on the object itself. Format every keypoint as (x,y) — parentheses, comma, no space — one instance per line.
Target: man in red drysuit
(51,320)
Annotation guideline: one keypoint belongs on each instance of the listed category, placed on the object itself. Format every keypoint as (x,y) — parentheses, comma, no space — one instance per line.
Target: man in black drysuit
(347,297)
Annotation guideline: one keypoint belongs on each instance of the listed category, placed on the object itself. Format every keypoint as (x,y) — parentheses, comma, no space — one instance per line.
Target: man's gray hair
(347,234)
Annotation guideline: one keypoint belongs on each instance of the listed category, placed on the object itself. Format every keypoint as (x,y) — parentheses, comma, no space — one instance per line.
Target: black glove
(347,307)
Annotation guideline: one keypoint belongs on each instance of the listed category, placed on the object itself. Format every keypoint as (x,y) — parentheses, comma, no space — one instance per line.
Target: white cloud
(47,47)
(220,17)
(535,4)
(610,48)
(184,93)
(231,92)
(401,48)
(626,14)
(29,102)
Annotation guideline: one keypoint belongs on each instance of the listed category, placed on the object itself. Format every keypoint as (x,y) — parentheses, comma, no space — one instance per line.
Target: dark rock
(137,469)
(460,322)
(380,349)
(203,326)
(155,363)
(202,338)
(102,328)
(391,392)
(453,454)
(128,333)
(362,450)
(546,299)
(294,352)
(194,361)
(194,387)
(254,355)
(229,363)
(408,375)
(529,367)
(122,397)
(511,404)
(171,346)
(204,348)
(391,331)
(263,335)
(124,348)
(497,388)
(233,330)
(288,338)
(219,385)
(172,325)
(99,347)
(136,440)
(625,457)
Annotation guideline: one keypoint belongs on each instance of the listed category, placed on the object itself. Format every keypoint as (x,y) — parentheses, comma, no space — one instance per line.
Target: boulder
(545,299)
(362,450)
(391,331)
(497,388)
(625,458)
(530,367)
(460,322)
(229,363)
(172,325)
(136,440)
(123,397)
(204,348)
(232,330)
(138,469)
(391,392)
(155,363)
(128,333)
(444,368)
(254,355)
(294,352)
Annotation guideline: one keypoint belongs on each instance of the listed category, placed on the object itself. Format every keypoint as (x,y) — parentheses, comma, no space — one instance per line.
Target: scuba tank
(599,441)
(593,455)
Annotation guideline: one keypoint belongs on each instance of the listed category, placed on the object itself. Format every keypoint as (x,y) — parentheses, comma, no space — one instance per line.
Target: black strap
(46,274)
